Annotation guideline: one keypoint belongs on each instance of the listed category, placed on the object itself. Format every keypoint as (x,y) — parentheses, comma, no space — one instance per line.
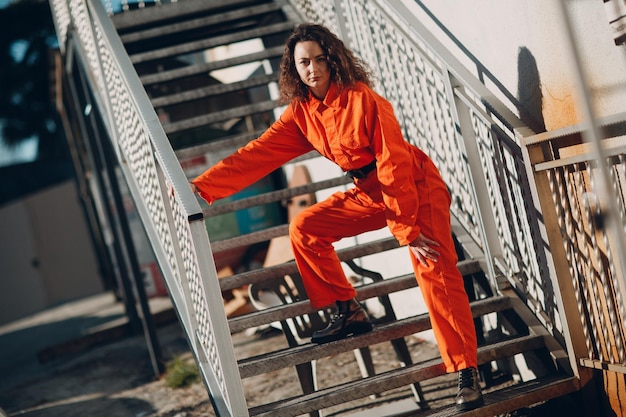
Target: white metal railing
(168,209)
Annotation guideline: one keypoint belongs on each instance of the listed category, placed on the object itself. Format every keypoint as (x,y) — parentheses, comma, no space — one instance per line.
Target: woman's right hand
(193,187)
(423,249)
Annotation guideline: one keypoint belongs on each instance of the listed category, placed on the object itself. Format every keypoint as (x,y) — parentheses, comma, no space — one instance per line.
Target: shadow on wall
(530,105)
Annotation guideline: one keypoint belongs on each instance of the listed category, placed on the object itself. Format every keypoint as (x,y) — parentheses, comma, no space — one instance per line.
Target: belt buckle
(356,174)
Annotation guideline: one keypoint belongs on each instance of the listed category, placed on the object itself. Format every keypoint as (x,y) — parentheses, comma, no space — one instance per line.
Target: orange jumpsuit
(352,127)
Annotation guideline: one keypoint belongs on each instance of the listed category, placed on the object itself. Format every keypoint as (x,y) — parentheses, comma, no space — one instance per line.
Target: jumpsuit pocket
(355,149)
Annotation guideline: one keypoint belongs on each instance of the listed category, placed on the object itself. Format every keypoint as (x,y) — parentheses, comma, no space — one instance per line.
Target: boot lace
(336,317)
(339,314)
(466,378)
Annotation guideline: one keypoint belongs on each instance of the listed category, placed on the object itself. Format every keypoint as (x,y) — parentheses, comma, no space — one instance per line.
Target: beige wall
(46,254)
(495,30)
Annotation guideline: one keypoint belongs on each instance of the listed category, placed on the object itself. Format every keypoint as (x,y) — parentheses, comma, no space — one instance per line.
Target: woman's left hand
(423,249)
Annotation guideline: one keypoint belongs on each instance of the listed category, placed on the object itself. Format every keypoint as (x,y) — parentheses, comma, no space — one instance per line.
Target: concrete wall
(46,255)
(509,36)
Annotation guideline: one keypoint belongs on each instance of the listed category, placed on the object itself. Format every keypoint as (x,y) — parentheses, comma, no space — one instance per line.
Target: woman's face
(312,67)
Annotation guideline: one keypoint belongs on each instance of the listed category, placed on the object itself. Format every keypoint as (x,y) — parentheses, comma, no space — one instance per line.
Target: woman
(332,109)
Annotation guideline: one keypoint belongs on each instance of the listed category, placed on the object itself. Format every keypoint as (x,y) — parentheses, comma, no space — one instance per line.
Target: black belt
(362,172)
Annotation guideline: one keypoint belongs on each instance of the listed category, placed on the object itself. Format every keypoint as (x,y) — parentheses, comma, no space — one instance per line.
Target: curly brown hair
(345,68)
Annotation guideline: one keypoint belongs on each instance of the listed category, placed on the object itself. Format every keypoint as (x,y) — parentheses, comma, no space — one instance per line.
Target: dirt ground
(116,379)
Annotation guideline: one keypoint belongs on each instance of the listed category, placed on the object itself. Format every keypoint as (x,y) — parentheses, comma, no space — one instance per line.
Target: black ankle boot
(469,396)
(350,318)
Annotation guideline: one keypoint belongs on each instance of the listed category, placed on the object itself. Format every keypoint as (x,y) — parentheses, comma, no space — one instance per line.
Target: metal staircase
(202,115)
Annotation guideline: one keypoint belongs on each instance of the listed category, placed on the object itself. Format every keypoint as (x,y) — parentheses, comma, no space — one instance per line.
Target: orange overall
(352,127)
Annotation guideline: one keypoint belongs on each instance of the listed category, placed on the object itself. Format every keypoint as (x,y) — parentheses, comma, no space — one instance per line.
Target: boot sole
(352,330)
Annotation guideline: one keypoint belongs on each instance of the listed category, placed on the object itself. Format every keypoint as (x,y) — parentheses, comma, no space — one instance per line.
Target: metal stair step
(232,142)
(199,22)
(364,292)
(512,398)
(264,235)
(396,329)
(220,116)
(262,274)
(217,145)
(206,67)
(388,380)
(299,308)
(199,45)
(175,10)
(358,251)
(274,196)
(213,90)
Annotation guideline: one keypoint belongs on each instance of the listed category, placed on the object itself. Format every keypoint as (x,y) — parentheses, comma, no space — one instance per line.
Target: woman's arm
(395,168)
(280,143)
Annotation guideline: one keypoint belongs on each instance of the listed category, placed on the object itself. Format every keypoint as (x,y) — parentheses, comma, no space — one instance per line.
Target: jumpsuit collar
(330,100)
